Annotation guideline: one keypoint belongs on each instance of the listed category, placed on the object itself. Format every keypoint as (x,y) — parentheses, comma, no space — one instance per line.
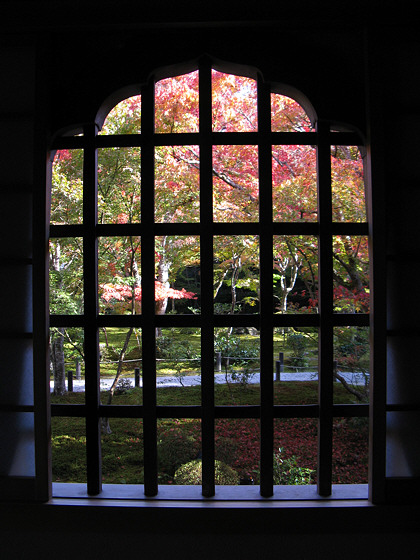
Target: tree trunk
(163,277)
(57,353)
(286,288)
(105,421)
(164,266)
(236,267)
(57,340)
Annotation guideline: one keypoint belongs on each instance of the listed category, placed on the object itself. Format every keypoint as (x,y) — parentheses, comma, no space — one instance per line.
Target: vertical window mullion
(42,205)
(266,288)
(148,293)
(91,339)
(206,264)
(326,356)
(378,337)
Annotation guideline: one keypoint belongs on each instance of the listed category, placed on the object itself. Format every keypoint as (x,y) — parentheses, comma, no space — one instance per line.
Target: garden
(236,440)
(179,267)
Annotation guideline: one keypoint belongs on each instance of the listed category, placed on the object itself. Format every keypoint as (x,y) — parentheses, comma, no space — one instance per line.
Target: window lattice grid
(265,320)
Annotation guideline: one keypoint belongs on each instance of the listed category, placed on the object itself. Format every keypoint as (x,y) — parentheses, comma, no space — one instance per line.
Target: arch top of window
(114,114)
(291,110)
(234,105)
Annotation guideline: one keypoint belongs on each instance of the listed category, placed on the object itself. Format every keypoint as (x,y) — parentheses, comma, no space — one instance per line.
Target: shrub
(241,355)
(191,473)
(123,386)
(108,352)
(297,343)
(174,449)
(287,471)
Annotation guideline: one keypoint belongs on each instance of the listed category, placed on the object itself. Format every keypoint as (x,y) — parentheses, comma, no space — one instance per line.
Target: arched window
(209,228)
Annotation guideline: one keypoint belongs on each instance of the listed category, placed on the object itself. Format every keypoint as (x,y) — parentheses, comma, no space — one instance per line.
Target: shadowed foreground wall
(60,65)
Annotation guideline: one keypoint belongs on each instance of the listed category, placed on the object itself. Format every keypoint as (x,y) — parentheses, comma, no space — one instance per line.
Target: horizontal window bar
(350,319)
(67,320)
(16,408)
(180,138)
(296,411)
(58,231)
(7,261)
(10,335)
(217,228)
(296,320)
(279,320)
(279,411)
(411,407)
(350,410)
(68,410)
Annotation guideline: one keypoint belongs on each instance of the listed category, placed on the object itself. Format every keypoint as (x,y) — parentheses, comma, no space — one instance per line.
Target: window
(233,180)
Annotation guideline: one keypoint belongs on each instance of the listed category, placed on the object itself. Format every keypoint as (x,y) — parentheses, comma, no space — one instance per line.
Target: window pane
(237,447)
(66,276)
(176,104)
(122,452)
(295,451)
(296,366)
(178,444)
(235,183)
(177,184)
(236,274)
(124,118)
(237,366)
(350,451)
(348,187)
(351,356)
(67,361)
(294,184)
(178,368)
(177,285)
(120,354)
(119,275)
(287,115)
(351,274)
(67,187)
(234,100)
(295,274)
(119,185)
(68,447)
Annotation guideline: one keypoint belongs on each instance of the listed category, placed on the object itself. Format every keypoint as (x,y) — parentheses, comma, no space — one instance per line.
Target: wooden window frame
(324,229)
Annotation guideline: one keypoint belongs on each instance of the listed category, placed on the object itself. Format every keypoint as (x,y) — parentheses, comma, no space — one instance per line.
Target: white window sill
(343,495)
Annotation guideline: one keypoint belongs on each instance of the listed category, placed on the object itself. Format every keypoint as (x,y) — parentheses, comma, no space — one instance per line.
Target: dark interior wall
(17,107)
(57,69)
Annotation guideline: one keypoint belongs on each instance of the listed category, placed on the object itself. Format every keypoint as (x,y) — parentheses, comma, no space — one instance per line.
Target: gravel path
(355,379)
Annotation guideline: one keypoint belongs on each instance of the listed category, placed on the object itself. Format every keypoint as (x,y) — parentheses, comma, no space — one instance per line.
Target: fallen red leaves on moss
(238,442)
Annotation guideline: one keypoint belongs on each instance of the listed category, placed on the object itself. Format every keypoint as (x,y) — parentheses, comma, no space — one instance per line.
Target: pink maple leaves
(123,292)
